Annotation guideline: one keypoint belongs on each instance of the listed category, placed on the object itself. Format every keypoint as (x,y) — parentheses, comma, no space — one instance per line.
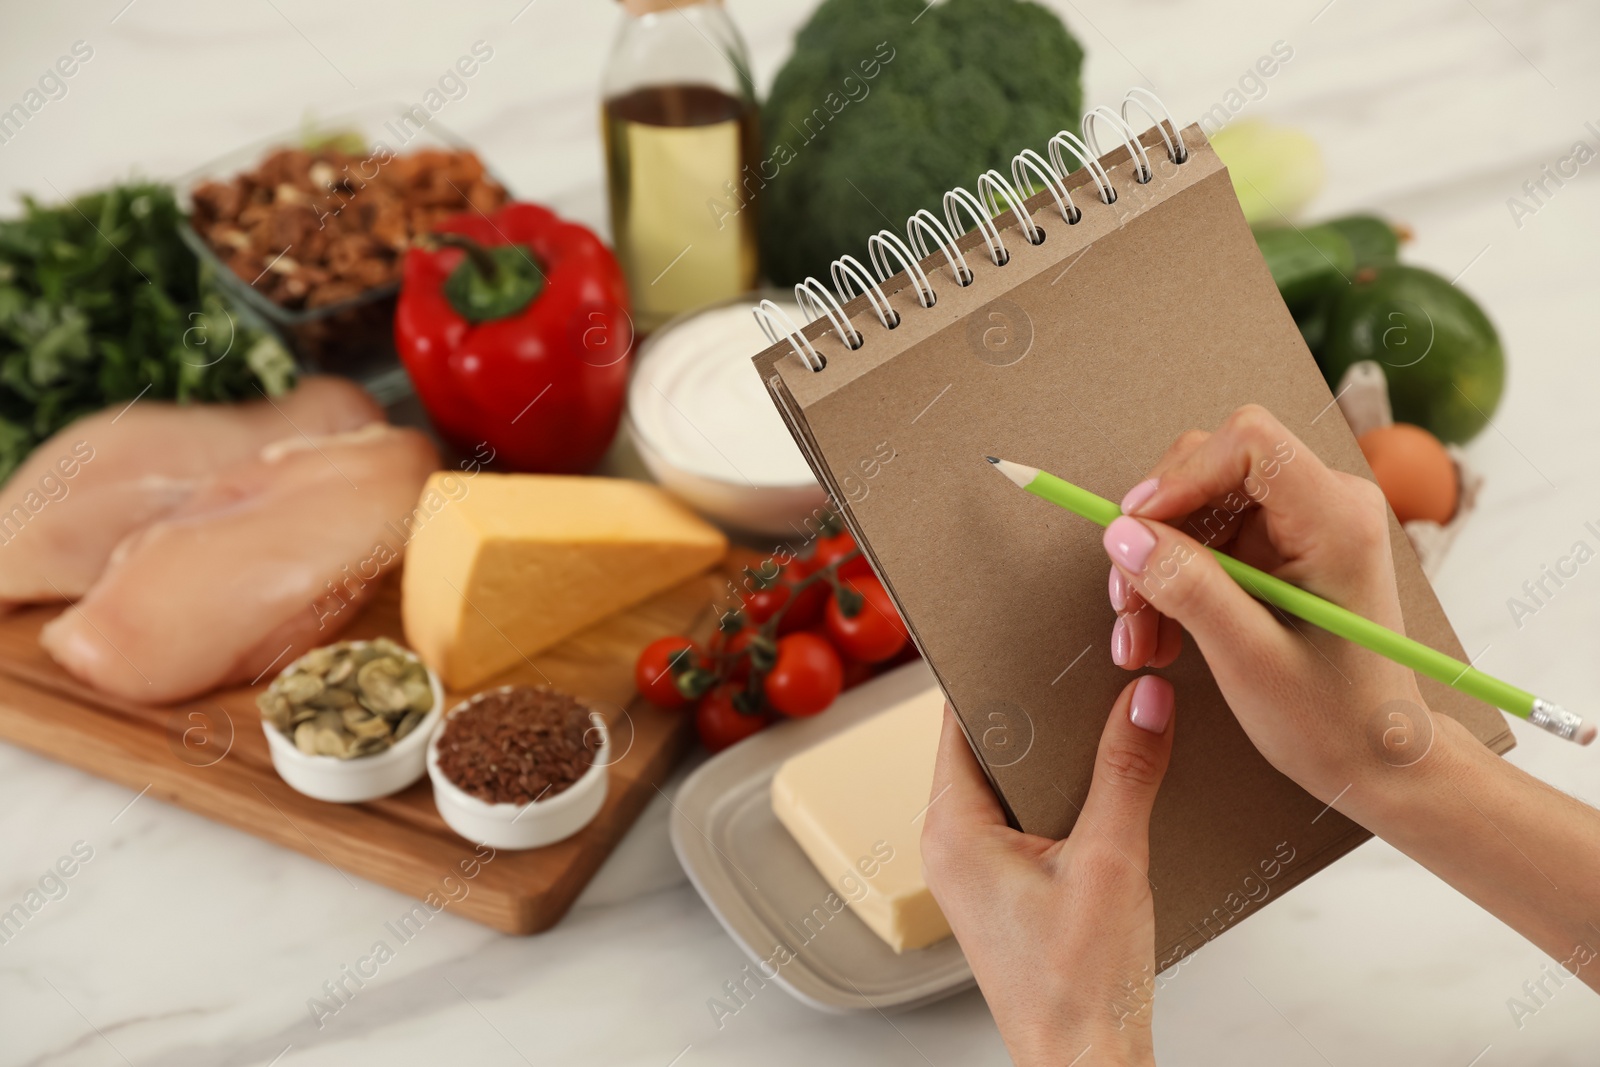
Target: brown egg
(1414,471)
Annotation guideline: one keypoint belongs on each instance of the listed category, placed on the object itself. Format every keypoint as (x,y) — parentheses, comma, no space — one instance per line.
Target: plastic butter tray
(768,896)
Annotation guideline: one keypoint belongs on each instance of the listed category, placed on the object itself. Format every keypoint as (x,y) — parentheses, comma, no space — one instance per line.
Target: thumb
(1134,750)
(1182,580)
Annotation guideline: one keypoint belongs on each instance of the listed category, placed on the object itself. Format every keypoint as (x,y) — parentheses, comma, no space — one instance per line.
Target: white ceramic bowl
(518,826)
(769,509)
(349,781)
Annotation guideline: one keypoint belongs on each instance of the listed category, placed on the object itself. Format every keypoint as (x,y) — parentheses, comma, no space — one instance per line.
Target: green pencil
(1331,617)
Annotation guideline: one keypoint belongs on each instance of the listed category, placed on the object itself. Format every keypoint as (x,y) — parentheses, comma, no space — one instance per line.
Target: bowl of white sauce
(706,427)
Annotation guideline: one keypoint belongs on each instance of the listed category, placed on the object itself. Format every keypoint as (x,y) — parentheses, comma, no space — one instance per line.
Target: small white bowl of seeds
(350,721)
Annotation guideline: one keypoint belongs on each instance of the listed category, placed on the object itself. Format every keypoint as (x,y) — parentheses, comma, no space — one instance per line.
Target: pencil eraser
(1586,733)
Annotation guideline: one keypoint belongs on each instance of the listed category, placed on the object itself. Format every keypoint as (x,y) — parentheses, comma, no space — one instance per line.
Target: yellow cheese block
(855,804)
(501,566)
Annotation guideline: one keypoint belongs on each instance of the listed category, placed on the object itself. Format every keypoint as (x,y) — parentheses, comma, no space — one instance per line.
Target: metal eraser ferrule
(1556,719)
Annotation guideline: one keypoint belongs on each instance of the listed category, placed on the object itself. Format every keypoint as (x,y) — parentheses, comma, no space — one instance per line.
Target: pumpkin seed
(317,661)
(379,685)
(419,694)
(340,672)
(372,726)
(367,746)
(275,709)
(349,700)
(408,723)
(299,687)
(333,742)
(334,700)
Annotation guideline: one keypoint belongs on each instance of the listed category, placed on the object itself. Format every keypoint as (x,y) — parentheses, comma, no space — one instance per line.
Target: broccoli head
(886,104)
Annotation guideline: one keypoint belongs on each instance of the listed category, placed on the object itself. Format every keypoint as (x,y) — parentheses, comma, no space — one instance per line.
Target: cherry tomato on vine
(737,650)
(874,633)
(720,638)
(655,672)
(806,609)
(832,549)
(762,604)
(807,676)
(799,612)
(719,723)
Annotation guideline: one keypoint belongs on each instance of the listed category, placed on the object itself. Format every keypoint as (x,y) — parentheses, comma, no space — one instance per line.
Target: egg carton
(1363,397)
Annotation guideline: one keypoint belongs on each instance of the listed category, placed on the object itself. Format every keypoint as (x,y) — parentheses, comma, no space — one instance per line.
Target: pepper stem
(492,281)
(479,255)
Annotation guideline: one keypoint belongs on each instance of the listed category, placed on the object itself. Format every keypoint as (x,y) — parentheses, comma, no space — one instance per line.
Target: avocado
(1305,263)
(1438,349)
(1374,242)
(1313,317)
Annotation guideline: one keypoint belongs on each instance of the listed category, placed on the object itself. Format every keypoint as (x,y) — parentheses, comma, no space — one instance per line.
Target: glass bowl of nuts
(350,721)
(307,230)
(519,767)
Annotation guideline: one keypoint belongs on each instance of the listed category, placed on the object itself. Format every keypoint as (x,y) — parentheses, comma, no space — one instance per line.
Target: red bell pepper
(515,330)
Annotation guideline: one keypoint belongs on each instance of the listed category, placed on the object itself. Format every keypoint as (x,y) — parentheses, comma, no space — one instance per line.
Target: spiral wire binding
(959,198)
(992,183)
(814,298)
(925,222)
(885,243)
(1137,96)
(1091,133)
(1028,161)
(1070,141)
(996,193)
(848,269)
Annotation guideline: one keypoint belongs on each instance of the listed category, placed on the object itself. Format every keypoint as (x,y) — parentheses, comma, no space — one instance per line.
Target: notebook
(1085,354)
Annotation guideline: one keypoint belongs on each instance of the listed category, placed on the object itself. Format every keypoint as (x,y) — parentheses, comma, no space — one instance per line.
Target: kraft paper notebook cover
(1086,355)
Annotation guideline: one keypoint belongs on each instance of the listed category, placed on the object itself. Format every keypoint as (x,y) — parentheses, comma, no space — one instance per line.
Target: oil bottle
(682,140)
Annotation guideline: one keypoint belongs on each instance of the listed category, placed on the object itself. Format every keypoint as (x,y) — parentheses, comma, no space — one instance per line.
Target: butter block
(499,567)
(854,803)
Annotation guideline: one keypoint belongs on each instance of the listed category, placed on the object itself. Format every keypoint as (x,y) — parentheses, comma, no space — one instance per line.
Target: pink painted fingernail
(1151,708)
(1118,590)
(1138,495)
(1129,543)
(1121,642)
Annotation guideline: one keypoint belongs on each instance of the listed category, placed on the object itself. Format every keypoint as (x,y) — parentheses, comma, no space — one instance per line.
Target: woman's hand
(1347,724)
(1312,703)
(1060,934)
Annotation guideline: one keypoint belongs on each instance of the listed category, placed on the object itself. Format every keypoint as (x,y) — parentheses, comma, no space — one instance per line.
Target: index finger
(1252,458)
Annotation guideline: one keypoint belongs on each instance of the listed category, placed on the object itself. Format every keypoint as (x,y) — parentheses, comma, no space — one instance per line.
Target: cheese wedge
(855,803)
(501,566)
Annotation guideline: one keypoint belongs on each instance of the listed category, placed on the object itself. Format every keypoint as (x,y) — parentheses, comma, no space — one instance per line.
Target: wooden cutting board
(210,756)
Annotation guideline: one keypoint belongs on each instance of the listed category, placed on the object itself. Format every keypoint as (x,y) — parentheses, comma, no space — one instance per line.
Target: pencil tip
(992,459)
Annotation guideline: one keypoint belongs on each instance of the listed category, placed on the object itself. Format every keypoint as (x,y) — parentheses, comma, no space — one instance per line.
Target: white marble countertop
(182,942)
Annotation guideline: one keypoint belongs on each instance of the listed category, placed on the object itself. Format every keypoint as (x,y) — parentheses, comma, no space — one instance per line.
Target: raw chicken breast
(108,474)
(268,560)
